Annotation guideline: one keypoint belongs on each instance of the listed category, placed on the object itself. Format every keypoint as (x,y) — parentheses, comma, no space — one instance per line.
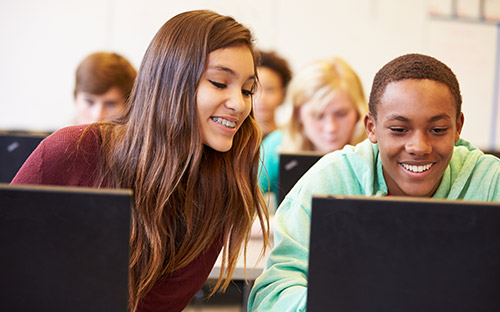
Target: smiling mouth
(226,123)
(417,168)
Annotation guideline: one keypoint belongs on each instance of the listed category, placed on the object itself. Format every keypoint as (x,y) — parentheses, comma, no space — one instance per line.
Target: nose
(103,114)
(330,124)
(237,103)
(98,112)
(419,144)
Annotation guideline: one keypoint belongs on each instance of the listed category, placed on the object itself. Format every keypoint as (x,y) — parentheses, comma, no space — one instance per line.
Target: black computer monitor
(14,150)
(292,167)
(64,248)
(401,254)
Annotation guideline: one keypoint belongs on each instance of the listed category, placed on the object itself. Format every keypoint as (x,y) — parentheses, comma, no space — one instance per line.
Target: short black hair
(413,66)
(276,63)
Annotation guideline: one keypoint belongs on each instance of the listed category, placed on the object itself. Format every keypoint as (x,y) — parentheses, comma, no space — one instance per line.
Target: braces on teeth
(224,122)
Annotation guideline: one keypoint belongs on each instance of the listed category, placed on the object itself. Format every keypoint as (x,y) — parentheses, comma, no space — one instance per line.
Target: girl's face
(416,129)
(269,95)
(224,95)
(332,128)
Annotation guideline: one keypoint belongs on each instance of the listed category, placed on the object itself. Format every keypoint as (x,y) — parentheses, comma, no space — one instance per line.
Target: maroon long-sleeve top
(61,159)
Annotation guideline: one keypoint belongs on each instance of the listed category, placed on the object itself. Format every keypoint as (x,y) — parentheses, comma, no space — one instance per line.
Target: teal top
(270,156)
(354,170)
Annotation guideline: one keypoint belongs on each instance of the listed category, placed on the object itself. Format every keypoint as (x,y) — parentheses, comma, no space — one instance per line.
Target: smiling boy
(413,149)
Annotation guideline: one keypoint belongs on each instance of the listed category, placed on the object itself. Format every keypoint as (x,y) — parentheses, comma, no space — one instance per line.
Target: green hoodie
(354,170)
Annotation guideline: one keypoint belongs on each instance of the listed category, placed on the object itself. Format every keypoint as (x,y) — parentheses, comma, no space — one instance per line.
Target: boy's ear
(370,127)
(460,124)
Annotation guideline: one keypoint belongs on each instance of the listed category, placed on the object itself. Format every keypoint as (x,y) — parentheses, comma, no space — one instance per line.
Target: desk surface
(255,262)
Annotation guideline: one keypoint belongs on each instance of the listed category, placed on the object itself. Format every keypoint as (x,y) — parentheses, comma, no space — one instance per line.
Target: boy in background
(102,85)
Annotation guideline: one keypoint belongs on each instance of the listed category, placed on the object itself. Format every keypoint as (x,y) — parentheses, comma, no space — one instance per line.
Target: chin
(222,148)
(327,150)
(415,192)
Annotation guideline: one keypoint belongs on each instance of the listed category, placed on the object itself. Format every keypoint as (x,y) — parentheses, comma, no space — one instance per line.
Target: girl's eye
(318,116)
(341,114)
(111,104)
(247,92)
(217,84)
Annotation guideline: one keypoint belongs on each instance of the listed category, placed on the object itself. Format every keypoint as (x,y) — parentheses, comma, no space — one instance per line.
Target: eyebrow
(404,119)
(397,117)
(229,71)
(439,117)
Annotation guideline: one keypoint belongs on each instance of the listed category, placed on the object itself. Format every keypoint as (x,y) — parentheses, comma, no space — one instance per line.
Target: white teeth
(415,168)
(224,122)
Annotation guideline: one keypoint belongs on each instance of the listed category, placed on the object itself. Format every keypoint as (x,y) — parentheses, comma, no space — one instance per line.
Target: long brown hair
(187,196)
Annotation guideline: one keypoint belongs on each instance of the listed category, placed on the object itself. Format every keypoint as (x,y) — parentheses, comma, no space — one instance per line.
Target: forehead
(416,97)
(112,93)
(268,76)
(236,61)
(331,101)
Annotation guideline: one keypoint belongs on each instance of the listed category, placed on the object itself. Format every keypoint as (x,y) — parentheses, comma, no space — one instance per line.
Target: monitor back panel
(14,150)
(494,153)
(292,168)
(396,255)
(64,249)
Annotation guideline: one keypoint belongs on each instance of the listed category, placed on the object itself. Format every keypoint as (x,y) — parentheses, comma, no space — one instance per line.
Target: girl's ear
(370,127)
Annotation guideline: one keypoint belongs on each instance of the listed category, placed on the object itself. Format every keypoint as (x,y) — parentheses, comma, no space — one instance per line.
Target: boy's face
(416,129)
(98,107)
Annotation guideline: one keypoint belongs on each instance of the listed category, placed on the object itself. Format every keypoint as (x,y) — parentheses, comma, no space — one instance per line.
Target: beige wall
(43,41)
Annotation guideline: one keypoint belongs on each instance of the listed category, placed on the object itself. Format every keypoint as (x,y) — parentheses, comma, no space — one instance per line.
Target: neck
(268,127)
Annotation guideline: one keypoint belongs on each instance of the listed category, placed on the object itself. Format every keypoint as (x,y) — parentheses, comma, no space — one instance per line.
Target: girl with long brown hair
(188,147)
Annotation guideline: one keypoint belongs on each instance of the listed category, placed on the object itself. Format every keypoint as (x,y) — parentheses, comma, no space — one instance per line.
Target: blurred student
(103,82)
(274,76)
(189,124)
(413,149)
(328,107)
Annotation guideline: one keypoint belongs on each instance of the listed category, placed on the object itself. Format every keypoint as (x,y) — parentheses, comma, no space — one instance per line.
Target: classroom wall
(43,41)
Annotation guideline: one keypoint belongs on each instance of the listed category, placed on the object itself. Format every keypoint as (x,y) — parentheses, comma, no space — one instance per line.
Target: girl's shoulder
(75,134)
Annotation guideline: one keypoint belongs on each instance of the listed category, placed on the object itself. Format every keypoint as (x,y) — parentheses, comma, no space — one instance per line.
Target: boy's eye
(397,130)
(217,84)
(439,130)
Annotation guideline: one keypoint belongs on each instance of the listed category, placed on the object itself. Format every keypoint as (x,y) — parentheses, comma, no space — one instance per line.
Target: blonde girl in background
(328,105)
